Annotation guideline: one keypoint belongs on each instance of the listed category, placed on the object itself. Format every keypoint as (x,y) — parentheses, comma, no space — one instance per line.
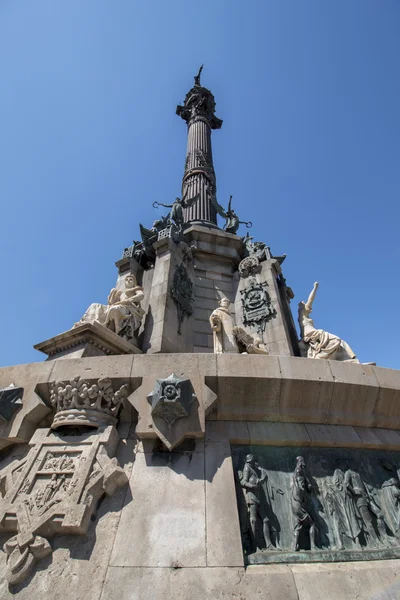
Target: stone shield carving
(249,266)
(55,489)
(256,305)
(182,293)
(171,399)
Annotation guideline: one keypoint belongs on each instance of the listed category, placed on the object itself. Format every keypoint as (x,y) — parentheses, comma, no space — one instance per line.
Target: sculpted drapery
(321,344)
(222,326)
(123,313)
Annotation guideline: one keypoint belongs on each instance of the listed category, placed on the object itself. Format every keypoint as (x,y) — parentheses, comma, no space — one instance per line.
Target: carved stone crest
(55,489)
(182,293)
(171,398)
(249,266)
(256,305)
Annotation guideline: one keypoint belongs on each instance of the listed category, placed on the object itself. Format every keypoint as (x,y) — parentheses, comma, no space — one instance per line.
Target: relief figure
(343,510)
(259,494)
(391,497)
(301,490)
(367,507)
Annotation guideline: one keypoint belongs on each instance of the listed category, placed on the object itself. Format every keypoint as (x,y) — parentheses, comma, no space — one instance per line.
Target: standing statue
(254,480)
(343,510)
(366,507)
(197,77)
(391,496)
(177,208)
(221,322)
(232,220)
(320,343)
(301,490)
(123,313)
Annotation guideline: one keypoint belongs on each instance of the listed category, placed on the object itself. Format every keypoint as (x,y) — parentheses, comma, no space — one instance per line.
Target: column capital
(199,104)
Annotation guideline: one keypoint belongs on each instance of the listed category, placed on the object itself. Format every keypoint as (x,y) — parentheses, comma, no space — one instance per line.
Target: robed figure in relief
(343,509)
(391,497)
(301,490)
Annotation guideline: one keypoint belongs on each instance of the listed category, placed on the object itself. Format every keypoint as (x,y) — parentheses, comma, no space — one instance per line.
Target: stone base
(276,556)
(90,339)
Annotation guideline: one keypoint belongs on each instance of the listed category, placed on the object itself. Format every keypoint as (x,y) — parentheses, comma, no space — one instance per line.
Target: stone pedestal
(179,526)
(277,331)
(168,322)
(86,340)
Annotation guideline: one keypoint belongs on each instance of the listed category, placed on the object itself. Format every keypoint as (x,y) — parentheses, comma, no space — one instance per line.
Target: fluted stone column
(199,176)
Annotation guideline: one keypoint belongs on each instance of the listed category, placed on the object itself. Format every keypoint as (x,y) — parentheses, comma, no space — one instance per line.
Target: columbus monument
(184,439)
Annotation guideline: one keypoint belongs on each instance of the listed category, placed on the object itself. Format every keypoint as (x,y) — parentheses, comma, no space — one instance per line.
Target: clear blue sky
(310,149)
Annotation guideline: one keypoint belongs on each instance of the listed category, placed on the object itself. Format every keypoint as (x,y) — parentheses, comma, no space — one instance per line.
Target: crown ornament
(78,402)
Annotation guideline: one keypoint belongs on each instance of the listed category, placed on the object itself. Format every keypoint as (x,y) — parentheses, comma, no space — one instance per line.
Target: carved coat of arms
(57,486)
(256,305)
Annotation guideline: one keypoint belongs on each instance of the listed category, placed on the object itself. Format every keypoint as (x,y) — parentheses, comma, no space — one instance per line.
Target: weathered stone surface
(184,365)
(166,513)
(299,434)
(236,432)
(333,435)
(307,387)
(224,547)
(390,575)
(342,580)
(379,438)
(217,249)
(248,387)
(355,393)
(269,583)
(276,434)
(387,408)
(115,367)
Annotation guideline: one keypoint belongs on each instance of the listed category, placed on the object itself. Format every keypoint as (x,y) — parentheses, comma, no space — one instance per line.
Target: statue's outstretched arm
(165,205)
(311,297)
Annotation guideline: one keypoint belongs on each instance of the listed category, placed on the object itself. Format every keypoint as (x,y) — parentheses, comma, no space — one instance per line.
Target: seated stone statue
(317,342)
(222,325)
(123,313)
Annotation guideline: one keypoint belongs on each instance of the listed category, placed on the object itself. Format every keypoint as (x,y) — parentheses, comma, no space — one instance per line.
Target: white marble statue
(221,322)
(247,344)
(320,343)
(123,313)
